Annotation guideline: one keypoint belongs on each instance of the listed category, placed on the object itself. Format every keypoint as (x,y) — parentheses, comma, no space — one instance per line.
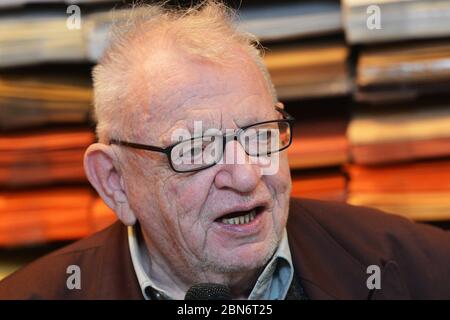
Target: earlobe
(124,213)
(122,209)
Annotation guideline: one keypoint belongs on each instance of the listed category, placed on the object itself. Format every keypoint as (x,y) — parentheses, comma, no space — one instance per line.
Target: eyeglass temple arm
(284,113)
(138,146)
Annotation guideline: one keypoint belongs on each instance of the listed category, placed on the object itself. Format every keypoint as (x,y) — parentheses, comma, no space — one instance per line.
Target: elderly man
(211,204)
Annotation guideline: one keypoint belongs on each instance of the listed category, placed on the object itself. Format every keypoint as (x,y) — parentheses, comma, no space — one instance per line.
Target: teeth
(246,218)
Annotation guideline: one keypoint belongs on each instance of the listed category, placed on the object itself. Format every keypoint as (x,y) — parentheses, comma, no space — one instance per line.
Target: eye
(264,135)
(193,151)
(196,151)
(189,153)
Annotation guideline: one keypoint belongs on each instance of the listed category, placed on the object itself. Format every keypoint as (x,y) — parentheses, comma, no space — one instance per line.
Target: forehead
(181,90)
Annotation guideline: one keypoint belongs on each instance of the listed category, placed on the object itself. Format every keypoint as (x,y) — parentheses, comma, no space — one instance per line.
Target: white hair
(207,31)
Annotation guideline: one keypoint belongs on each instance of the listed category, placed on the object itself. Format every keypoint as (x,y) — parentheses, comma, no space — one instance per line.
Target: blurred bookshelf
(372,109)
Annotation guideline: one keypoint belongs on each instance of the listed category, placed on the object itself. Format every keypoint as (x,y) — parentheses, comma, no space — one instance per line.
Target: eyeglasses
(259,139)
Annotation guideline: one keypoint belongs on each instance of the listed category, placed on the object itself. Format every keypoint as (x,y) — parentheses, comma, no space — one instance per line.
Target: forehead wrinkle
(249,114)
(194,98)
(158,115)
(182,109)
(261,116)
(182,79)
(210,118)
(167,122)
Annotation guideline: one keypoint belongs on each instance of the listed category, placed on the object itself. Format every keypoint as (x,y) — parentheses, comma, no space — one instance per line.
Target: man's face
(181,214)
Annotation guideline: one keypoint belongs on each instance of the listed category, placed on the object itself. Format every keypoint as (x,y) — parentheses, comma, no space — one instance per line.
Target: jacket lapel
(328,271)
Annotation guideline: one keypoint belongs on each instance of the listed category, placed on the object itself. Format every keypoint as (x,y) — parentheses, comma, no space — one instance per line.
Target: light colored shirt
(272,284)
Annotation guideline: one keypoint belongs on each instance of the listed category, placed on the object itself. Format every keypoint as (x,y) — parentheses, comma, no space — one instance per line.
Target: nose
(237,172)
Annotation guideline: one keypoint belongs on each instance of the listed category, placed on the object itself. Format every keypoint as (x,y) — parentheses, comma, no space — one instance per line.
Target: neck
(175,278)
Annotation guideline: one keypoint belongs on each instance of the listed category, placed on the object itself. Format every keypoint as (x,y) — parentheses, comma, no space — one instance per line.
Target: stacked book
(319,148)
(49,36)
(370,21)
(319,141)
(43,215)
(31,36)
(416,190)
(311,70)
(18,3)
(34,37)
(326,184)
(50,214)
(401,134)
(386,146)
(403,71)
(275,22)
(43,157)
(33,97)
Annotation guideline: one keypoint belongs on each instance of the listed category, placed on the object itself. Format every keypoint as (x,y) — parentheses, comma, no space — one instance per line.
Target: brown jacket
(332,245)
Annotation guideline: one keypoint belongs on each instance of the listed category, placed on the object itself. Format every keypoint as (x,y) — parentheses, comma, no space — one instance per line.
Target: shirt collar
(144,280)
(276,278)
(272,284)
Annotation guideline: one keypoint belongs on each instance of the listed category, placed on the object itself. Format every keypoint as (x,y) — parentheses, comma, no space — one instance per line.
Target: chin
(246,257)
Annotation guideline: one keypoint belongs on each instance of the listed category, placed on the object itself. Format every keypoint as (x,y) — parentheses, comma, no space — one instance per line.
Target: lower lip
(252,227)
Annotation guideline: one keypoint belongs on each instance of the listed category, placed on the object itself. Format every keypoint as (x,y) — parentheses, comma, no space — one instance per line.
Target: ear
(99,165)
(280,105)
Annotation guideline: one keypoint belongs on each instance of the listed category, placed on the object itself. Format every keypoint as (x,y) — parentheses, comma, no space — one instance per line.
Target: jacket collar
(117,279)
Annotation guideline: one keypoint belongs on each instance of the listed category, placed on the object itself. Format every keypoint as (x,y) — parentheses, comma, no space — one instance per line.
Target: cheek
(137,187)
(183,200)
(183,197)
(280,183)
(188,194)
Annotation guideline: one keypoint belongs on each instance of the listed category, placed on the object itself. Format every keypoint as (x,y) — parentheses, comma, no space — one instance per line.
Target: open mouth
(240,217)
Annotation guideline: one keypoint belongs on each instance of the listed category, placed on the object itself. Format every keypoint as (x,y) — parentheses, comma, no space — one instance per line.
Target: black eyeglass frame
(168,150)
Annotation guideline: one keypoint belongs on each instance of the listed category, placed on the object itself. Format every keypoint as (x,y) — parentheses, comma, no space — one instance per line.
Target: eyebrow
(255,118)
(246,120)
(166,138)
